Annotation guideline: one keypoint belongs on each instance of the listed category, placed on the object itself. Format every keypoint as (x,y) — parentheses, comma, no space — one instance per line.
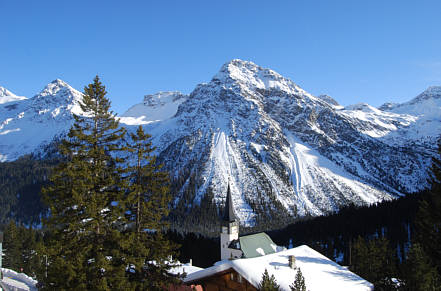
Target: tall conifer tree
(12,246)
(85,198)
(419,274)
(149,198)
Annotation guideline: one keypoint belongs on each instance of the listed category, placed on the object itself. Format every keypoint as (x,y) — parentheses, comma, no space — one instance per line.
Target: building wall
(227,282)
(185,288)
(234,254)
(225,239)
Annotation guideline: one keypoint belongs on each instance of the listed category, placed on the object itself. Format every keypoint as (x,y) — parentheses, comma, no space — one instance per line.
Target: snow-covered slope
(425,113)
(7,96)
(426,104)
(374,122)
(283,150)
(413,124)
(156,107)
(26,125)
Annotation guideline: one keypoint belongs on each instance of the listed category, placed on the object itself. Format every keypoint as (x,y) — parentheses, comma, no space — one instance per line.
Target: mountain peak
(55,86)
(428,104)
(59,90)
(432,92)
(328,99)
(5,92)
(7,96)
(241,70)
(161,98)
(59,82)
(247,73)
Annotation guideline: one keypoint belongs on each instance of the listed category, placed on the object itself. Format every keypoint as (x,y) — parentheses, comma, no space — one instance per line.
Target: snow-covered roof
(184,268)
(320,273)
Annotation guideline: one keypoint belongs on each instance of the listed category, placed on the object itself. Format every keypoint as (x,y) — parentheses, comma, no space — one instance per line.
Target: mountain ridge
(284,151)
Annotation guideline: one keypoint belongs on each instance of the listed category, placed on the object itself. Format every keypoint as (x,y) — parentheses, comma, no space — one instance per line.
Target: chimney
(292,261)
(190,263)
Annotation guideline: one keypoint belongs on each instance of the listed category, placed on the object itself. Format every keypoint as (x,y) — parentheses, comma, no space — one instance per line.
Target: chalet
(245,259)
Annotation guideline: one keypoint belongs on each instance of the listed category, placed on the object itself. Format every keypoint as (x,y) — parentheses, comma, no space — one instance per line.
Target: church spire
(229,215)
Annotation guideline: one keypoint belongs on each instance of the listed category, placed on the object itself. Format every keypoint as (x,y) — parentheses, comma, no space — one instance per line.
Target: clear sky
(355,51)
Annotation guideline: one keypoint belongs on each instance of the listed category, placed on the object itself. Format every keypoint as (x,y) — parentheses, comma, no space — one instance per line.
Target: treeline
(20,186)
(373,241)
(332,235)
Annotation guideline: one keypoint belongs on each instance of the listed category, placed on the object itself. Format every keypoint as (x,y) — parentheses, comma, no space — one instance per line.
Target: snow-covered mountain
(28,124)
(282,149)
(7,96)
(425,111)
(155,107)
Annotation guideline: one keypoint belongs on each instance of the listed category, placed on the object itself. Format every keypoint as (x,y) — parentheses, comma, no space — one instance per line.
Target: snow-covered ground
(156,107)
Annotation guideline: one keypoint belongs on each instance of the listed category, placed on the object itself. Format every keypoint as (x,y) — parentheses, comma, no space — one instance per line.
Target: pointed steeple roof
(229,215)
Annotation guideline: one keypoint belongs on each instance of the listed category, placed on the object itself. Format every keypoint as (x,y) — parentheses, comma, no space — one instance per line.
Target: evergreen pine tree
(268,283)
(28,251)
(419,274)
(360,257)
(12,246)
(299,282)
(374,261)
(85,198)
(149,197)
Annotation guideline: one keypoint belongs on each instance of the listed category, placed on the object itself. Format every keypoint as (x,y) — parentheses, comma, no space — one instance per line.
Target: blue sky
(355,51)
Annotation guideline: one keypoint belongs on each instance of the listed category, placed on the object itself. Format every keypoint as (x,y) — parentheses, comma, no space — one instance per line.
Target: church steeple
(229,229)
(229,215)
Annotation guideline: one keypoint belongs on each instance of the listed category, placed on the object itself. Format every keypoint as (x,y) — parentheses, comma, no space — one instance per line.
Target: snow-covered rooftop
(184,269)
(320,273)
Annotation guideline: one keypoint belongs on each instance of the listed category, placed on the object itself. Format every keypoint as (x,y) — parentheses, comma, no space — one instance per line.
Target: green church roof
(256,245)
